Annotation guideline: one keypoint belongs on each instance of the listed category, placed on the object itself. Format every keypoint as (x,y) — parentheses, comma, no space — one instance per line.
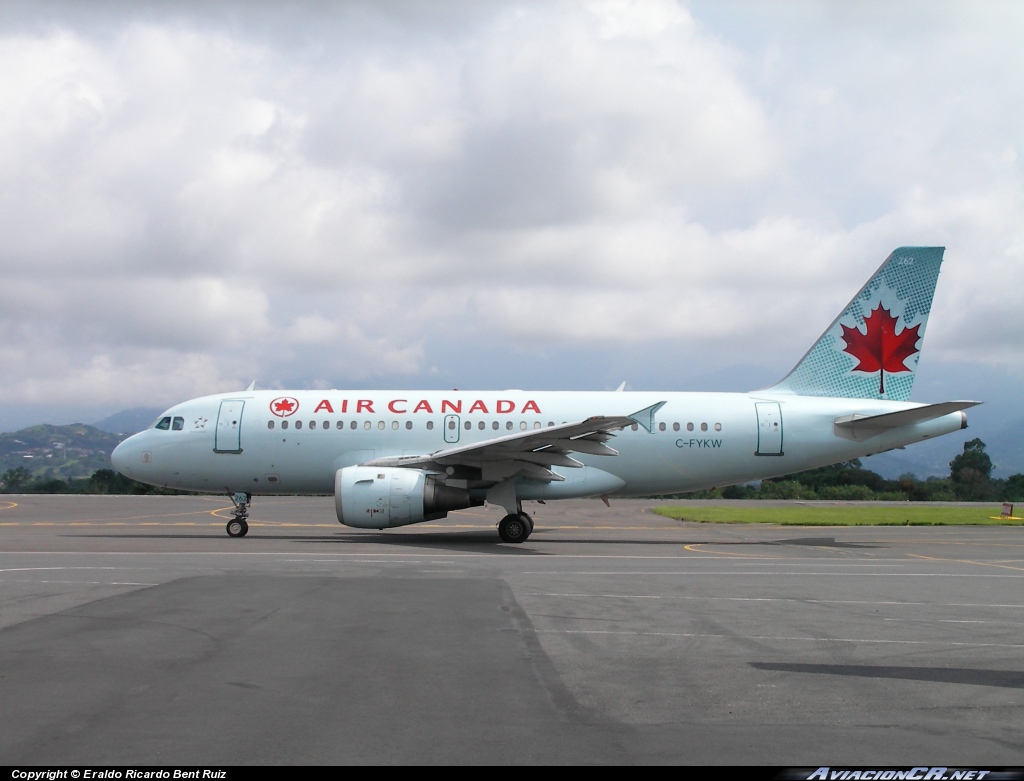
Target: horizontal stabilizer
(861,427)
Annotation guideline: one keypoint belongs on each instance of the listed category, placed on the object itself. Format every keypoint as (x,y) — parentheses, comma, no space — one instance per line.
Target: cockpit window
(178,424)
(164,424)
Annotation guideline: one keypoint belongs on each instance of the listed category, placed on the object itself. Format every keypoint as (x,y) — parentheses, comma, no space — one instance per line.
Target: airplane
(393,458)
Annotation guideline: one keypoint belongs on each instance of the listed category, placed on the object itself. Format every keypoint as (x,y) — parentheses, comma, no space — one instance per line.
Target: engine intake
(374,497)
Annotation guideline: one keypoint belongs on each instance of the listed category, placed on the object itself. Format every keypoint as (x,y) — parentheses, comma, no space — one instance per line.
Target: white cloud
(331,194)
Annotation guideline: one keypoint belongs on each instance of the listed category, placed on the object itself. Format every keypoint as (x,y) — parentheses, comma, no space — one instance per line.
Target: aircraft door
(451,429)
(769,428)
(229,427)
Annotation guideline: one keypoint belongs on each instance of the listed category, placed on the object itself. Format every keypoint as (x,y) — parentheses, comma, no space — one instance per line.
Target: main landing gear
(515,527)
(237,526)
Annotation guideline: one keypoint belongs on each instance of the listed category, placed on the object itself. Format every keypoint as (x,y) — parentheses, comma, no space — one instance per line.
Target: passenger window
(354,425)
(408,425)
(550,423)
(689,427)
(327,424)
(394,425)
(675,427)
(494,425)
(178,424)
(312,424)
(703,426)
(430,425)
(164,424)
(481,425)
(661,427)
(522,425)
(380,425)
(509,425)
(468,425)
(366,425)
(298,424)
(536,425)
(284,424)
(270,424)
(451,425)
(718,427)
(341,424)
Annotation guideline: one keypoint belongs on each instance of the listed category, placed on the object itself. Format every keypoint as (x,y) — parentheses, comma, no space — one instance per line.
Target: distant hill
(923,459)
(129,421)
(58,451)
(1006,448)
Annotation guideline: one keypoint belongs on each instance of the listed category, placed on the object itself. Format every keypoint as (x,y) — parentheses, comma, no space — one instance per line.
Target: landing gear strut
(237,526)
(515,527)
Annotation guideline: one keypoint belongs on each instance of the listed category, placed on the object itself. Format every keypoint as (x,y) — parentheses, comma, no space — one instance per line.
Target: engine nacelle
(378,497)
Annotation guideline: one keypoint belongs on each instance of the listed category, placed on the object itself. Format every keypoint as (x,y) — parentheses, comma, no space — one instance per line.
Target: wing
(529,454)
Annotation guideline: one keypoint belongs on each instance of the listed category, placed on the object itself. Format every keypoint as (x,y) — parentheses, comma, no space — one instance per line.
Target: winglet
(645,417)
(252,386)
(621,387)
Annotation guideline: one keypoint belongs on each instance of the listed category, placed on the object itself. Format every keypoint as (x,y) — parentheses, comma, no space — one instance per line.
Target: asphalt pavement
(134,631)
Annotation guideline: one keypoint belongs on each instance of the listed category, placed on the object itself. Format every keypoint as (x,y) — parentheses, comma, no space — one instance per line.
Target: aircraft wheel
(515,528)
(237,528)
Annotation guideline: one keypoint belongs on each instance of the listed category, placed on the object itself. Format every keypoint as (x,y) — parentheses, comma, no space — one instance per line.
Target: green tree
(107,481)
(785,489)
(739,492)
(16,480)
(971,472)
(1013,490)
(844,473)
(912,488)
(973,457)
(53,485)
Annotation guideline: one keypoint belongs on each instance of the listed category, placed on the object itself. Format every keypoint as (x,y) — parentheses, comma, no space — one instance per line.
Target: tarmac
(133,630)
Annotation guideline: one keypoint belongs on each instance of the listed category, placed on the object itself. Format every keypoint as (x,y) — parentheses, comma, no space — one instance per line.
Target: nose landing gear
(237,526)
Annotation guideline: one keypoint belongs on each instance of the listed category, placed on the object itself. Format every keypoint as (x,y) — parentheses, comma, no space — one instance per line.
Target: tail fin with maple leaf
(872,348)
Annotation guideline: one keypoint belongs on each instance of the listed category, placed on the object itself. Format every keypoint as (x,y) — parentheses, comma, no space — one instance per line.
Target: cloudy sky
(535,194)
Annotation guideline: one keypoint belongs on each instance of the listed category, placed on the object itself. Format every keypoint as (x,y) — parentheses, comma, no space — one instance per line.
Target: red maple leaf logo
(880,349)
(283,407)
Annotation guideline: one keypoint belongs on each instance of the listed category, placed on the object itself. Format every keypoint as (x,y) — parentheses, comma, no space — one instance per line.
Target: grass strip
(824,514)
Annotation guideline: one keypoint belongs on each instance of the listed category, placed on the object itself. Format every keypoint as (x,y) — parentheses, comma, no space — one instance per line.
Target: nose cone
(121,457)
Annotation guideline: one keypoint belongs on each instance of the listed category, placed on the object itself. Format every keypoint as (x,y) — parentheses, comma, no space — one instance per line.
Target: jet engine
(376,497)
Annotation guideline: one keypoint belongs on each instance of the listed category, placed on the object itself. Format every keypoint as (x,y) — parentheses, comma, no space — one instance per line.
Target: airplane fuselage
(294,442)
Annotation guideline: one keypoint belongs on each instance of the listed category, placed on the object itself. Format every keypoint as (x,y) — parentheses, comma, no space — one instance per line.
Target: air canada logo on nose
(284,406)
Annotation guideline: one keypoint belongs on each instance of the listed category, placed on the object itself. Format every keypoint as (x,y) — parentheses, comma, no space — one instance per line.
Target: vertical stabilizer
(872,348)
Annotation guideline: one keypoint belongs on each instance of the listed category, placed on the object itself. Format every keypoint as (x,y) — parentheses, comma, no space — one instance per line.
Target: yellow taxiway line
(966,561)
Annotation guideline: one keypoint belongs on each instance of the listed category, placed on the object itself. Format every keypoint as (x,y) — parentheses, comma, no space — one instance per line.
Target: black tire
(529,523)
(515,528)
(237,528)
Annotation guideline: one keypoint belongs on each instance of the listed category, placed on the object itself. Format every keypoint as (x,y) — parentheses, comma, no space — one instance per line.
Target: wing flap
(530,454)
